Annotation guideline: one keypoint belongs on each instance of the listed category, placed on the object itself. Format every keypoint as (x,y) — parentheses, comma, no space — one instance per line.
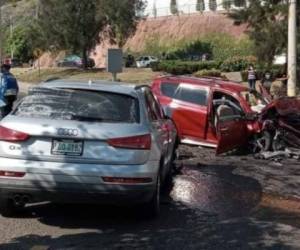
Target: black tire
(8,208)
(172,167)
(151,209)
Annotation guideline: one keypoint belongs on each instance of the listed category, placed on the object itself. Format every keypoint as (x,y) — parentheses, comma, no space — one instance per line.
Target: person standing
(251,77)
(10,87)
(2,97)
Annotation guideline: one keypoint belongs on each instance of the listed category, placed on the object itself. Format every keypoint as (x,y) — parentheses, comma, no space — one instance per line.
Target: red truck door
(231,128)
(190,109)
(231,134)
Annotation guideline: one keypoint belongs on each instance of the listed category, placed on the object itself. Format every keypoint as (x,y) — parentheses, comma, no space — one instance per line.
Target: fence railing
(212,6)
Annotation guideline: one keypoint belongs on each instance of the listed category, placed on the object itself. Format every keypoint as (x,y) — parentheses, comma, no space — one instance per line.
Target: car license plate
(67,147)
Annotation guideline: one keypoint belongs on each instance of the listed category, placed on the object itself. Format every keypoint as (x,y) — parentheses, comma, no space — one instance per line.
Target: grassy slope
(141,76)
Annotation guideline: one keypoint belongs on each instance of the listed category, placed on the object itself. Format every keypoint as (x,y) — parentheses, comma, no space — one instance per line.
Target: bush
(237,63)
(183,67)
(192,49)
(218,46)
(225,46)
(209,72)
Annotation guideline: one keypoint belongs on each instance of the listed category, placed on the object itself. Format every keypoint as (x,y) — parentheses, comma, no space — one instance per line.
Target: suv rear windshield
(81,105)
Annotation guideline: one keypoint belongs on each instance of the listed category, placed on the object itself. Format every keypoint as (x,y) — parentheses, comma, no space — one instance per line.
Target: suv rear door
(190,109)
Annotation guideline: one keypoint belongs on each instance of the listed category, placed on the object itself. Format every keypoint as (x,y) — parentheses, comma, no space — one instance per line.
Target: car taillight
(11,174)
(7,134)
(133,142)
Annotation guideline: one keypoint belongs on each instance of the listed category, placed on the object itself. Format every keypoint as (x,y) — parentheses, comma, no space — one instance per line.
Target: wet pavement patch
(215,189)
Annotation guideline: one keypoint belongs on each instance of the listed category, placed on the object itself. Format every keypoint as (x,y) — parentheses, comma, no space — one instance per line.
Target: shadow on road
(216,215)
(178,228)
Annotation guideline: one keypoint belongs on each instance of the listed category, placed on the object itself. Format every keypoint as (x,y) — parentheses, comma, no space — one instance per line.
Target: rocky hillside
(174,28)
(183,27)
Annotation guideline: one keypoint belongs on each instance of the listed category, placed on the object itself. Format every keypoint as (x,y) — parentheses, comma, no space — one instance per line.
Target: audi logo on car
(67,132)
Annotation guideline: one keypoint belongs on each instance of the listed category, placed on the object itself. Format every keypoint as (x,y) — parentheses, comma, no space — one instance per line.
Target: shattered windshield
(81,105)
(255,100)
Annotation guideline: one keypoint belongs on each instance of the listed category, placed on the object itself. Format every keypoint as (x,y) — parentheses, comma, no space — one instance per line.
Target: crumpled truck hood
(285,106)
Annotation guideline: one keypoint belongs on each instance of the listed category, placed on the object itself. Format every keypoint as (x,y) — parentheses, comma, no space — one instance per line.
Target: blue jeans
(252,83)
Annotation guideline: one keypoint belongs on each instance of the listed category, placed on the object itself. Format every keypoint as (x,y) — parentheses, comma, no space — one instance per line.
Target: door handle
(224,129)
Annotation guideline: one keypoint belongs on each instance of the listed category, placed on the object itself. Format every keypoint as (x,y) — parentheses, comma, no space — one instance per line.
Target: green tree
(213,5)
(76,25)
(174,7)
(20,43)
(240,3)
(122,18)
(226,4)
(267,26)
(19,29)
(200,5)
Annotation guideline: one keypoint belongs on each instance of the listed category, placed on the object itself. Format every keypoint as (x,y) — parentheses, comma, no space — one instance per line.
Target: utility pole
(292,49)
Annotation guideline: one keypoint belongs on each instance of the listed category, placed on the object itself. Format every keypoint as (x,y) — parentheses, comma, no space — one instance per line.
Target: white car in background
(145,61)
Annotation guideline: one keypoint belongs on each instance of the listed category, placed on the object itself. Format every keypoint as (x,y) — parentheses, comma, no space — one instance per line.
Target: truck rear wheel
(8,207)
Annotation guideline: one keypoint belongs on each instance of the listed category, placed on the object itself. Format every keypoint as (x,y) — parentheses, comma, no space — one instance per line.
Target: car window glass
(168,89)
(146,58)
(191,95)
(70,104)
(228,100)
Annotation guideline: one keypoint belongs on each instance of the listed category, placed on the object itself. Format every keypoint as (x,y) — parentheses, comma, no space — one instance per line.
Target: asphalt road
(214,203)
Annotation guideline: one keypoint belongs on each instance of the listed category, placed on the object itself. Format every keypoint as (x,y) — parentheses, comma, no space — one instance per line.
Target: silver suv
(85,142)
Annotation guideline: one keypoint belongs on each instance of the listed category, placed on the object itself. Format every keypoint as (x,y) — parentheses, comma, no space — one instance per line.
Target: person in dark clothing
(9,82)
(267,81)
(251,77)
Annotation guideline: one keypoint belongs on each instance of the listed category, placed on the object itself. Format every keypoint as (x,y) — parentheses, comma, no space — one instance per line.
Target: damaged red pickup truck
(223,114)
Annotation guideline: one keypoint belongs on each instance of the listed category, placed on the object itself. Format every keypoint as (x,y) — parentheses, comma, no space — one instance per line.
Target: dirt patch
(290,205)
(138,76)
(176,28)
(49,59)
(172,28)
